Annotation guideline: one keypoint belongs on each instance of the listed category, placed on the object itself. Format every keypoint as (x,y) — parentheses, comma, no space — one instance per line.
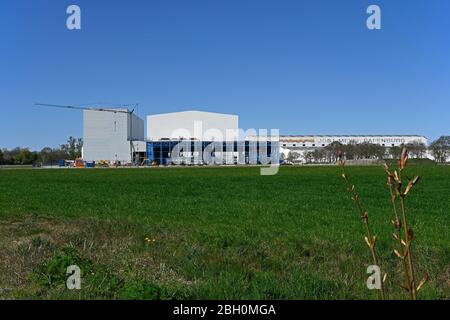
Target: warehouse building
(116,136)
(197,137)
(303,144)
(315,141)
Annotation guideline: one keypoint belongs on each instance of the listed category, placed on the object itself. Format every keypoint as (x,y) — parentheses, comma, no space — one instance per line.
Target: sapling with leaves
(403,234)
(370,239)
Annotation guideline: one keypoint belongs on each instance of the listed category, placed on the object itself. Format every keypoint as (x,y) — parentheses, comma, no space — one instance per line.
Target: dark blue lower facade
(243,152)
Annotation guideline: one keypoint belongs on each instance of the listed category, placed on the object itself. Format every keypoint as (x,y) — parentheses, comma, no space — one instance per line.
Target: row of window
(303,145)
(323,145)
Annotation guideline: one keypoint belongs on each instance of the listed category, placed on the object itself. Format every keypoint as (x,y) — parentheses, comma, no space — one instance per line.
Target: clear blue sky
(303,66)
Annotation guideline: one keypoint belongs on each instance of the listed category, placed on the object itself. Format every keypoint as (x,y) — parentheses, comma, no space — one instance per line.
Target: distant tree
(2,160)
(441,149)
(333,150)
(292,156)
(7,158)
(47,156)
(73,147)
(361,151)
(379,152)
(15,155)
(21,156)
(309,156)
(79,147)
(318,155)
(350,150)
(395,152)
(417,149)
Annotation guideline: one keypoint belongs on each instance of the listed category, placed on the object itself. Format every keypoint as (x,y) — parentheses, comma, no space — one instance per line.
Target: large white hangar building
(195,131)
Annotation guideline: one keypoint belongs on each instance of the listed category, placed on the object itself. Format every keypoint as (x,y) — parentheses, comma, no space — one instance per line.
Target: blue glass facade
(247,152)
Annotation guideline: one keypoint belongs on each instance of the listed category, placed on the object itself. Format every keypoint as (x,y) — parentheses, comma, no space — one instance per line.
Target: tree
(378,151)
(441,149)
(350,150)
(333,150)
(7,158)
(416,149)
(309,156)
(318,155)
(79,147)
(20,156)
(47,156)
(73,147)
(395,152)
(292,156)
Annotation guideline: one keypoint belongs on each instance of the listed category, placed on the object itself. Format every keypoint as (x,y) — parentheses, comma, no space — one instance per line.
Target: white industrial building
(192,125)
(303,144)
(316,141)
(166,130)
(118,135)
(112,135)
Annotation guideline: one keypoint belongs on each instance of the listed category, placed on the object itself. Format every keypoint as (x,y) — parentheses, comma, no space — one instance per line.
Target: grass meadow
(213,233)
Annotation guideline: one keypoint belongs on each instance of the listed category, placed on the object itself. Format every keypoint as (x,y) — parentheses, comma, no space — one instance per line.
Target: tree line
(440,149)
(71,150)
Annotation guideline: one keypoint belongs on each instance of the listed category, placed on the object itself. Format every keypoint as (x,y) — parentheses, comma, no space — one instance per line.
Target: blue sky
(303,66)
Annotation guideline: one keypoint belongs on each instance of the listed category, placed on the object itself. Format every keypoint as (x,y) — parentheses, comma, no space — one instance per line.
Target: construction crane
(127,111)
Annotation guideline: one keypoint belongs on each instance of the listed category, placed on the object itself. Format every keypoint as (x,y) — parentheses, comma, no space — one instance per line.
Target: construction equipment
(103,164)
(79,163)
(127,111)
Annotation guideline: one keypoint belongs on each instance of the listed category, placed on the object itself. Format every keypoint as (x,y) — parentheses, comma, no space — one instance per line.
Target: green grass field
(212,233)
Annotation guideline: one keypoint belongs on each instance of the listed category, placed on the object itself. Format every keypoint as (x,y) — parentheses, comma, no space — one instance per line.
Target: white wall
(191,124)
(106,135)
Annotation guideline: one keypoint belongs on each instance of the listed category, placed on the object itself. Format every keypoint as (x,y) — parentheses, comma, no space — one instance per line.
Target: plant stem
(371,240)
(412,283)
(399,235)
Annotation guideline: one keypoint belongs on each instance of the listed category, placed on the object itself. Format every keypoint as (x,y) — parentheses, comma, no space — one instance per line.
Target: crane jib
(83,108)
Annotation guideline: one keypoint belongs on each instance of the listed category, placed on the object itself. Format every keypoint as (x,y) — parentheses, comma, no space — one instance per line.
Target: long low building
(301,145)
(317,141)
